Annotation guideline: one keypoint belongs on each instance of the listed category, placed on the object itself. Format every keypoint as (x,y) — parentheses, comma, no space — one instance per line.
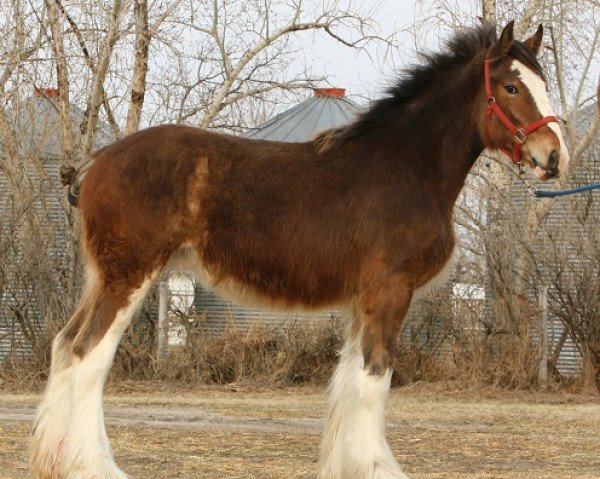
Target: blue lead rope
(572,191)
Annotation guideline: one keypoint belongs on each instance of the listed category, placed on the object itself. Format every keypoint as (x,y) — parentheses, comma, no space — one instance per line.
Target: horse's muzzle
(550,169)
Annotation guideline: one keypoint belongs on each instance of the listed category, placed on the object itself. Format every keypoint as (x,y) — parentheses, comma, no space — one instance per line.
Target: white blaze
(539,93)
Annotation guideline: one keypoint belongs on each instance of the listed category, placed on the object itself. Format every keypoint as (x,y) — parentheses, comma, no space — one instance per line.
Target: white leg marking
(354,444)
(70,441)
(52,416)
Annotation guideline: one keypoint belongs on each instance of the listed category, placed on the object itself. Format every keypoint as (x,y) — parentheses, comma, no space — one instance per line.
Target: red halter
(520,134)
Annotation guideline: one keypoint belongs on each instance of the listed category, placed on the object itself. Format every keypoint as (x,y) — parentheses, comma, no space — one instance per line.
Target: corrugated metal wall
(20,301)
(36,122)
(218,313)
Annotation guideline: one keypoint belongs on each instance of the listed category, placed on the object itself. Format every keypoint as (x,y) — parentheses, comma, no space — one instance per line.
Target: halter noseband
(519,134)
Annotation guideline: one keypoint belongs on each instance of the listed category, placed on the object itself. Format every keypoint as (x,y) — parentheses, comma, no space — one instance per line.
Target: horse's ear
(507,37)
(534,42)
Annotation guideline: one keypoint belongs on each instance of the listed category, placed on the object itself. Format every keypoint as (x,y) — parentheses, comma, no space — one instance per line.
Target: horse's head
(519,118)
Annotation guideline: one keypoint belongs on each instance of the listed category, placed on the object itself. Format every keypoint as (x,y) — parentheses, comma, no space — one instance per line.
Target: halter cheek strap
(519,134)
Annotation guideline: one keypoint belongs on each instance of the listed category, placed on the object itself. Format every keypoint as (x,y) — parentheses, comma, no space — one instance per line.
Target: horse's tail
(72,177)
(68,177)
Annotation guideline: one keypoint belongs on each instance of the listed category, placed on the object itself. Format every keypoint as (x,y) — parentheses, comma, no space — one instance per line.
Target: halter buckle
(491,100)
(520,136)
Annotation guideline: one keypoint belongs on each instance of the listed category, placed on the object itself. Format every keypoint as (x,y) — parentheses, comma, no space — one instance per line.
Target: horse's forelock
(520,52)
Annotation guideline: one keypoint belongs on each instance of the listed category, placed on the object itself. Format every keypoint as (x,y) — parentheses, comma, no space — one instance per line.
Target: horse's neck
(448,147)
(457,156)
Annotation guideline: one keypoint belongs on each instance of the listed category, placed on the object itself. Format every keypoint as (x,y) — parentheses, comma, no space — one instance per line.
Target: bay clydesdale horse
(361,217)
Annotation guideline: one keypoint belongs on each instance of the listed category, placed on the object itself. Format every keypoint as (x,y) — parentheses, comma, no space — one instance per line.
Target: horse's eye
(511,89)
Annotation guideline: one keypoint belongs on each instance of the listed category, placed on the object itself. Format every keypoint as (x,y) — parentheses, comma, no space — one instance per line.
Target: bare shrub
(18,371)
(415,363)
(291,355)
(310,352)
(575,291)
(448,341)
(299,353)
(501,353)
(436,346)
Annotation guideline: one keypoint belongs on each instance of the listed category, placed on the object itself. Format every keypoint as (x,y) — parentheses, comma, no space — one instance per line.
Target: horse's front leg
(354,444)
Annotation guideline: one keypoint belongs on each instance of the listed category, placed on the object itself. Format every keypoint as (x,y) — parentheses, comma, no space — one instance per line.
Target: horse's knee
(378,350)
(382,306)
(378,366)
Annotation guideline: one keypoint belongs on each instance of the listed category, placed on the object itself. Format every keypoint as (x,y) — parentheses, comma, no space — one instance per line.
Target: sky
(367,74)
(362,73)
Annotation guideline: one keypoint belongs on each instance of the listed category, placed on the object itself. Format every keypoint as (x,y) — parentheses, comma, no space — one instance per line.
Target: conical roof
(37,122)
(328,108)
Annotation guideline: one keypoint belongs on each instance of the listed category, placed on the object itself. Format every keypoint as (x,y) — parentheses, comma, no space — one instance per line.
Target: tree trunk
(96,97)
(140,68)
(489,10)
(62,79)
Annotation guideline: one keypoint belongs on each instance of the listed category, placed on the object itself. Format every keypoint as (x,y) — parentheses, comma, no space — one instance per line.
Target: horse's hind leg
(53,414)
(69,439)
(354,444)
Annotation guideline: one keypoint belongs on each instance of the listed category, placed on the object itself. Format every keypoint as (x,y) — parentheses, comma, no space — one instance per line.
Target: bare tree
(573,259)
(243,52)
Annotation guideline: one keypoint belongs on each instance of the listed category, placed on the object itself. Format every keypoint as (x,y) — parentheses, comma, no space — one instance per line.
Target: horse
(360,216)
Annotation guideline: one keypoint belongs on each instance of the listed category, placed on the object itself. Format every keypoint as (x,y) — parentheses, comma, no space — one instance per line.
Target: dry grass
(274,433)
(298,354)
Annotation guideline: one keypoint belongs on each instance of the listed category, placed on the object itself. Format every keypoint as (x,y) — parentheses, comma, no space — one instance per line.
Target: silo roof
(328,108)
(38,123)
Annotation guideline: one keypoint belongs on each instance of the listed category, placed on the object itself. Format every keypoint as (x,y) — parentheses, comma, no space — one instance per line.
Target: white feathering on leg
(354,444)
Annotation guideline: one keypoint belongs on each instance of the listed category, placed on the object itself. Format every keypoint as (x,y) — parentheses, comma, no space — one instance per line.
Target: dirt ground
(240,432)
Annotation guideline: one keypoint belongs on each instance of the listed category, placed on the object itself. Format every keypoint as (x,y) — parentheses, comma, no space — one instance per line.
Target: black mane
(418,79)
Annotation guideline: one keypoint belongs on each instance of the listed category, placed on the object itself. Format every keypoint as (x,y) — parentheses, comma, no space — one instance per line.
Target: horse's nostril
(553,160)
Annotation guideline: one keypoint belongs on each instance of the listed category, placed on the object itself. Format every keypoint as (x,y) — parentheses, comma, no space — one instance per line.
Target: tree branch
(97,86)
